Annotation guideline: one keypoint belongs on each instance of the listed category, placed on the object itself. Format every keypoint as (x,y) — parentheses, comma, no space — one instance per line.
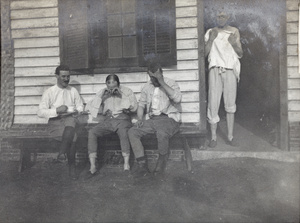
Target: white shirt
(169,105)
(54,97)
(114,104)
(222,53)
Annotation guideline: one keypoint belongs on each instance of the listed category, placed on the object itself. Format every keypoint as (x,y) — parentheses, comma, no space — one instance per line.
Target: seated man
(59,103)
(114,104)
(160,97)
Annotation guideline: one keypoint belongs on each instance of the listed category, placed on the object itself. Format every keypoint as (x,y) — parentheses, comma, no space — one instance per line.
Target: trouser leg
(71,154)
(230,92)
(67,139)
(101,129)
(215,91)
(165,129)
(135,135)
(122,131)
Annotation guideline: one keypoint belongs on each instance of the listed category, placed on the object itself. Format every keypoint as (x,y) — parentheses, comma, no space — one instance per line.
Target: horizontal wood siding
(36,41)
(293,73)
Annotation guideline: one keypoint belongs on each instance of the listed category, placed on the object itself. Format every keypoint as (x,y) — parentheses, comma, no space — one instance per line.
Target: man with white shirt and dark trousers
(60,104)
(223,48)
(160,99)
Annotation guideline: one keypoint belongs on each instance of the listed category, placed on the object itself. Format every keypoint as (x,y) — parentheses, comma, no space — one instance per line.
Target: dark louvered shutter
(157,32)
(74,34)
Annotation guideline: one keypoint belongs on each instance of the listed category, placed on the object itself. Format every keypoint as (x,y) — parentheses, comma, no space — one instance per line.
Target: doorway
(261,24)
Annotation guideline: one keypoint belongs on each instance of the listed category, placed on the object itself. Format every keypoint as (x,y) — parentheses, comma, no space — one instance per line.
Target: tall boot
(71,154)
(92,157)
(126,161)
(142,170)
(161,164)
(67,139)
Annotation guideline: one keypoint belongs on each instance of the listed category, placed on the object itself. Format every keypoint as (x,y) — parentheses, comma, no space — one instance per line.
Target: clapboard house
(98,37)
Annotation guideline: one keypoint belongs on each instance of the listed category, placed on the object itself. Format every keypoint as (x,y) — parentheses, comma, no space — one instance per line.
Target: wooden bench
(189,136)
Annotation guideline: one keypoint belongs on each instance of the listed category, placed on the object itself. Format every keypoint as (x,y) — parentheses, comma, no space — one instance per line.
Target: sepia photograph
(150,111)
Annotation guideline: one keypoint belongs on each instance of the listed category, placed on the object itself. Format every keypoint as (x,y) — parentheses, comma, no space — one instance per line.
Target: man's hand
(108,113)
(106,95)
(116,92)
(139,123)
(126,111)
(158,76)
(61,109)
(213,34)
(232,39)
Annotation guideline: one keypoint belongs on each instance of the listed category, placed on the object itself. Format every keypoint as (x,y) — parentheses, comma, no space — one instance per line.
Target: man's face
(222,19)
(63,78)
(111,84)
(154,80)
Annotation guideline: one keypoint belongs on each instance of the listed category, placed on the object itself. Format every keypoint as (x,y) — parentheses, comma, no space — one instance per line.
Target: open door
(261,101)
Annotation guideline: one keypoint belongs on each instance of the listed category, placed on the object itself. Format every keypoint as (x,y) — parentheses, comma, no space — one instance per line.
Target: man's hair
(113,77)
(61,67)
(153,67)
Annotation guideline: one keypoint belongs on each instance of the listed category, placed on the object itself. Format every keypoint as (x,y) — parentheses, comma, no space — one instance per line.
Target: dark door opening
(260,23)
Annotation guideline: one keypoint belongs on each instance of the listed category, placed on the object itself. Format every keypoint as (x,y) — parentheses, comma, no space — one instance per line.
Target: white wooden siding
(292,18)
(36,41)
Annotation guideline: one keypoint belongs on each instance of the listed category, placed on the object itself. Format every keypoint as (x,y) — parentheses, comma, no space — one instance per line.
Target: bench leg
(21,161)
(25,158)
(187,153)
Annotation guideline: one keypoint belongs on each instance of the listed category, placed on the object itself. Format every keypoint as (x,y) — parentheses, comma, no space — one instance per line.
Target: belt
(161,115)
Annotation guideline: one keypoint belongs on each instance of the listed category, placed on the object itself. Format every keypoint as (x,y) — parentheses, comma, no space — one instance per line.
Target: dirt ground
(221,190)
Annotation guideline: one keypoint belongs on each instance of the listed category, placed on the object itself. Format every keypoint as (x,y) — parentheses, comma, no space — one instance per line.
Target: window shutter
(157,35)
(74,34)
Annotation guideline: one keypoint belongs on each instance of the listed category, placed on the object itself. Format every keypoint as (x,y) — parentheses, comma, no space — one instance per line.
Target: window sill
(109,70)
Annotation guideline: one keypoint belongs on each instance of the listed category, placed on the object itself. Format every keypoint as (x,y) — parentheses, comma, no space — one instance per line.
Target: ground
(219,190)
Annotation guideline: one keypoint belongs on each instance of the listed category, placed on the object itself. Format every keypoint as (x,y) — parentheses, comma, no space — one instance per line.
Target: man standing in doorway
(60,104)
(223,48)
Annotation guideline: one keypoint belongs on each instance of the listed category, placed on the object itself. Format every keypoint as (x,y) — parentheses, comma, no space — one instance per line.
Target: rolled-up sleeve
(143,97)
(176,97)
(78,101)
(44,110)
(94,105)
(133,102)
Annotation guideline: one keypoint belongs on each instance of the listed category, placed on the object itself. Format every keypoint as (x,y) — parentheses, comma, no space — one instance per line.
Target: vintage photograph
(150,111)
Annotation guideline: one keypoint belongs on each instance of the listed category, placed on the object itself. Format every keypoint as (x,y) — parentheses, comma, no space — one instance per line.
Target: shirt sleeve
(238,39)
(94,105)
(44,108)
(143,97)
(206,36)
(128,100)
(78,101)
(176,97)
(133,102)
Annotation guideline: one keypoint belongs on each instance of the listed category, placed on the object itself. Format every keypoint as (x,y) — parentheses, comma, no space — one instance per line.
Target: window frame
(119,65)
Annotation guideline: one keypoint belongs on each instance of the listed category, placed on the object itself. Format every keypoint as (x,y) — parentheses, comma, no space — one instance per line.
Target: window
(123,34)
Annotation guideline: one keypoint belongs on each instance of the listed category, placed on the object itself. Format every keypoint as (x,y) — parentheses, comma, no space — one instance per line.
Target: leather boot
(142,170)
(161,164)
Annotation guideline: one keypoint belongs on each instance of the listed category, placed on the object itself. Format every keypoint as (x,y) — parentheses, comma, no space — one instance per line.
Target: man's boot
(161,164)
(126,161)
(142,170)
(66,143)
(71,154)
